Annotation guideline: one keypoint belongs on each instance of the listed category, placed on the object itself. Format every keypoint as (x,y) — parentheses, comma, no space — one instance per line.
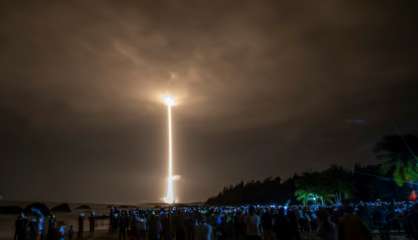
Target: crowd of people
(340,221)
(38,226)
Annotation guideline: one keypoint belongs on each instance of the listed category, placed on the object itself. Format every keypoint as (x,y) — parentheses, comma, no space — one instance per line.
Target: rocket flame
(170,197)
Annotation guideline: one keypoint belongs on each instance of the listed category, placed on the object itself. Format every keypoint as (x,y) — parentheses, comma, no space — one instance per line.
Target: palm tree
(330,185)
(305,197)
(398,154)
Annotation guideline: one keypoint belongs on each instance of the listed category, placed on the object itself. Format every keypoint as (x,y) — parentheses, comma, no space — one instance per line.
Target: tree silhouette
(398,154)
(330,185)
(399,166)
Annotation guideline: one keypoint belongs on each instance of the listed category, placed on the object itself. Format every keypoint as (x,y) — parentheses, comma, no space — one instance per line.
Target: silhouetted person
(155,228)
(92,222)
(412,222)
(293,227)
(281,225)
(351,227)
(80,225)
(204,230)
(253,222)
(179,226)
(112,220)
(51,228)
(326,229)
(20,227)
(166,226)
(267,223)
(239,225)
(123,225)
(70,232)
(33,229)
(189,227)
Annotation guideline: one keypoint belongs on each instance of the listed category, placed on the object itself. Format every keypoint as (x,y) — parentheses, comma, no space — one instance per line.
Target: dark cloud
(266,88)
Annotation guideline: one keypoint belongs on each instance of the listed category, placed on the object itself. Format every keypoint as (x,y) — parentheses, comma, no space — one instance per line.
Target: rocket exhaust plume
(170,196)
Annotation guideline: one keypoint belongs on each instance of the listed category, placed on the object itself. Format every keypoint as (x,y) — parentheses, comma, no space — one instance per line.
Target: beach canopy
(37,207)
(63,208)
(83,207)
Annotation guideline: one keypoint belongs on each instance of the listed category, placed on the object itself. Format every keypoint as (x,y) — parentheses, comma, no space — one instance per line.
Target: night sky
(266,88)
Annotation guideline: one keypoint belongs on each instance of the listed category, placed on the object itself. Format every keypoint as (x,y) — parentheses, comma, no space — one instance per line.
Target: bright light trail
(169,198)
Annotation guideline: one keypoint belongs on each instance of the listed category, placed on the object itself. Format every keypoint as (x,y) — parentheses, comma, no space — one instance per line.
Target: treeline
(270,190)
(364,183)
(392,179)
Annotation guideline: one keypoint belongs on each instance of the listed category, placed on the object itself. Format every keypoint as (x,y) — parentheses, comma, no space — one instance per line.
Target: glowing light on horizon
(170,196)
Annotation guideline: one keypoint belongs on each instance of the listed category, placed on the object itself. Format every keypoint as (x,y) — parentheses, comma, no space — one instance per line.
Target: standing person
(116,220)
(70,232)
(239,225)
(253,224)
(111,220)
(281,225)
(412,222)
(326,229)
(51,227)
(267,224)
(381,220)
(123,225)
(155,227)
(141,227)
(204,230)
(59,232)
(40,224)
(20,227)
(80,225)
(33,229)
(166,226)
(92,223)
(179,226)
(189,227)
(293,229)
(351,227)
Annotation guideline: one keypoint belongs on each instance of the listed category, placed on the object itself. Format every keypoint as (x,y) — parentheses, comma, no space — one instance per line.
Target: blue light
(62,230)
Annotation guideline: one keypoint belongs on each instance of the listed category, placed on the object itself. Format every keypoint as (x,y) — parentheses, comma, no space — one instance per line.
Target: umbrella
(63,207)
(41,207)
(83,207)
